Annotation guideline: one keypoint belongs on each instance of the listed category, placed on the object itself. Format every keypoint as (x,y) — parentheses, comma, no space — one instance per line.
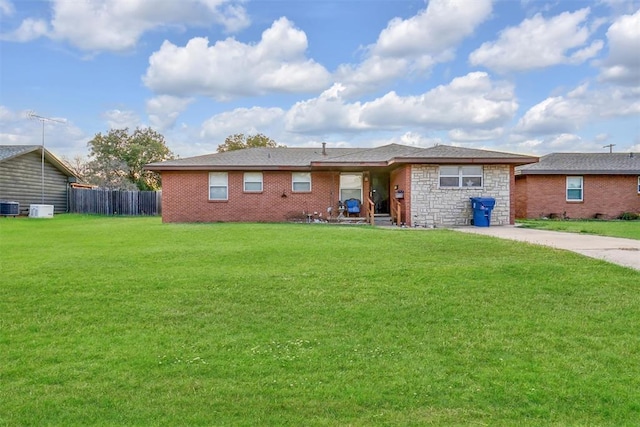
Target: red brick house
(579,185)
(414,186)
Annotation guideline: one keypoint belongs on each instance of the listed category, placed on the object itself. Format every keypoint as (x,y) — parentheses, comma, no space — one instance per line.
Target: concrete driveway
(625,252)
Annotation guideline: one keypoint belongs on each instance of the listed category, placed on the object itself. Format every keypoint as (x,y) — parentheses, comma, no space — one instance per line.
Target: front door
(380,191)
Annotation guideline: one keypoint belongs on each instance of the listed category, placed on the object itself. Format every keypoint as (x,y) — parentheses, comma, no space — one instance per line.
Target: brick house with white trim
(579,185)
(416,186)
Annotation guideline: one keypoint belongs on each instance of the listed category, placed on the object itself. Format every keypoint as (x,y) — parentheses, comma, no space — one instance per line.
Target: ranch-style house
(414,186)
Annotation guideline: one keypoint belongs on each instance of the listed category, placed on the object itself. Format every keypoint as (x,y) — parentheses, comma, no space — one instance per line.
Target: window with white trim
(253,182)
(301,182)
(218,186)
(639,185)
(461,176)
(350,186)
(574,189)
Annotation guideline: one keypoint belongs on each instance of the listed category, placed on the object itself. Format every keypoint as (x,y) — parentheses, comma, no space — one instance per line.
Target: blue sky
(524,76)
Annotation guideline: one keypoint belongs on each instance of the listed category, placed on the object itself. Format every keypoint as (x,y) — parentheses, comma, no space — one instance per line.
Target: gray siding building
(21,177)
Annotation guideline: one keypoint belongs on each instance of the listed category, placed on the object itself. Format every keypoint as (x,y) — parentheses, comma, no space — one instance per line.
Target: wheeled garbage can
(482,207)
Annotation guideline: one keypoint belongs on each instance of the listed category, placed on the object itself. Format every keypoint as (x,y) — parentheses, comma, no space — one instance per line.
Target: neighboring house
(430,186)
(21,178)
(579,185)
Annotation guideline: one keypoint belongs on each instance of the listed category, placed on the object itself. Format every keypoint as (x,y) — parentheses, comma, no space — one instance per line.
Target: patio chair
(353,206)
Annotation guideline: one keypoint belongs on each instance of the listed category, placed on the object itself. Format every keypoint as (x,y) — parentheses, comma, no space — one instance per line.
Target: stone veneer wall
(434,206)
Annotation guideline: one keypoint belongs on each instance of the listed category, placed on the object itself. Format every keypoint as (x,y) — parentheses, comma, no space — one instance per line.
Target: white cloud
(120,119)
(248,121)
(563,142)
(164,110)
(469,102)
(622,6)
(564,114)
(30,29)
(623,64)
(601,137)
(61,137)
(230,69)
(442,25)
(117,25)
(554,115)
(462,135)
(581,55)
(414,45)
(6,8)
(560,142)
(370,73)
(6,115)
(326,112)
(538,42)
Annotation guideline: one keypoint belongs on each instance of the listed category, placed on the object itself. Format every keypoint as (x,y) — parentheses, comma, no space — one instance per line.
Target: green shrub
(629,216)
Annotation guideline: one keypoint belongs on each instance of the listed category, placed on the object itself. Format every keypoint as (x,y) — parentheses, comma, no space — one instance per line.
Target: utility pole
(34,116)
(610,146)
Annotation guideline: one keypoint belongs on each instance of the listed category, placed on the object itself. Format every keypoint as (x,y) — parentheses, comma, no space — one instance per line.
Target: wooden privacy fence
(115,202)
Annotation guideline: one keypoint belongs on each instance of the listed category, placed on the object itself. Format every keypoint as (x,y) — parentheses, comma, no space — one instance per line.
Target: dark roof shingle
(584,163)
(8,152)
(282,157)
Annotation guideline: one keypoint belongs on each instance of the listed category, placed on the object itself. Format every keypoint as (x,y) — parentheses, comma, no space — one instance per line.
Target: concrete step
(383,220)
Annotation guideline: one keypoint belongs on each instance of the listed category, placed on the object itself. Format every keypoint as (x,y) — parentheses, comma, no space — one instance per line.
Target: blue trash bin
(482,207)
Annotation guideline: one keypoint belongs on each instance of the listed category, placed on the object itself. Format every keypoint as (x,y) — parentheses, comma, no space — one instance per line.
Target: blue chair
(353,206)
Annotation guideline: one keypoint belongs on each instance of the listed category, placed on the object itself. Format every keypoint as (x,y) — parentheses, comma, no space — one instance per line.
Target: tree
(118,158)
(80,166)
(240,141)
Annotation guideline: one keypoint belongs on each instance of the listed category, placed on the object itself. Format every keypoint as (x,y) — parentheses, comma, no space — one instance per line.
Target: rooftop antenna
(34,116)
(610,146)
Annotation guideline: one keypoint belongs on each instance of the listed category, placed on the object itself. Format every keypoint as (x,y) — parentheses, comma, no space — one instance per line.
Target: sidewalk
(625,252)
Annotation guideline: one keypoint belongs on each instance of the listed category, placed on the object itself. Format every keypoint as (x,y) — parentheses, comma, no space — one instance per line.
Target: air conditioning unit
(9,208)
(41,211)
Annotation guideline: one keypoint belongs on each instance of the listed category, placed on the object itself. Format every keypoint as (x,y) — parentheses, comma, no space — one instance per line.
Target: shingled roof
(307,158)
(584,164)
(8,152)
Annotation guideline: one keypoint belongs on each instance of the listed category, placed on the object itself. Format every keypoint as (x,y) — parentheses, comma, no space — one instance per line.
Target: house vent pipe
(324,148)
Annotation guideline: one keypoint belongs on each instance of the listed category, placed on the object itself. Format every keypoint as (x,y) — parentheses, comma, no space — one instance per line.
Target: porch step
(351,221)
(383,220)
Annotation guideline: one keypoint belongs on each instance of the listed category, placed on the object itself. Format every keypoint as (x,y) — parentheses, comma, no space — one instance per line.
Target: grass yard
(627,229)
(128,321)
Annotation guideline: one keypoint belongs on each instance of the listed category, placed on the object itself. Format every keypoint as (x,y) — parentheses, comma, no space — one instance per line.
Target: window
(253,181)
(461,176)
(350,186)
(301,181)
(574,188)
(639,185)
(218,186)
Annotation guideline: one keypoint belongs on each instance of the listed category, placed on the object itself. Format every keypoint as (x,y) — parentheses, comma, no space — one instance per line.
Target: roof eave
(578,172)
(466,160)
(324,164)
(208,168)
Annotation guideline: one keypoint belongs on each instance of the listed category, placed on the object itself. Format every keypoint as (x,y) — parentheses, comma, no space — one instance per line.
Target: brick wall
(186,198)
(608,195)
(521,196)
(431,205)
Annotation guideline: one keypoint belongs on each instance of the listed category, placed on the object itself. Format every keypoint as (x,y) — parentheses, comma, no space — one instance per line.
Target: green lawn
(127,321)
(628,229)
